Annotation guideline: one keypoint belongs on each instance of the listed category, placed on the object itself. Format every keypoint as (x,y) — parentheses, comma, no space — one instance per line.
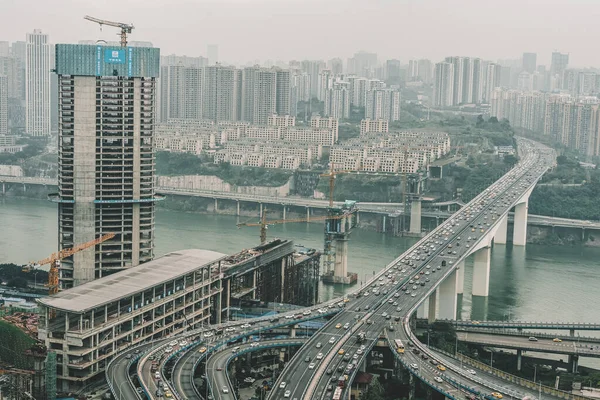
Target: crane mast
(125,28)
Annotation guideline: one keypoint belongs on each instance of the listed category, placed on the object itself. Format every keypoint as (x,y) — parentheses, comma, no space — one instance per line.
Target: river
(549,283)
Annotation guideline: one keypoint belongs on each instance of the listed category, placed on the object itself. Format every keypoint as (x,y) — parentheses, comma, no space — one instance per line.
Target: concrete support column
(284,210)
(238,208)
(448,299)
(307,212)
(216,205)
(423,308)
(254,284)
(293,332)
(574,363)
(520,224)
(260,211)
(460,277)
(481,272)
(500,237)
(519,359)
(383,224)
(431,314)
(572,332)
(415,216)
(3,188)
(341,258)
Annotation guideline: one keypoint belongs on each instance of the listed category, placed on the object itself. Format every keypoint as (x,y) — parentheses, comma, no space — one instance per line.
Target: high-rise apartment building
(106,159)
(325,83)
(37,84)
(283,92)
(425,68)
(459,76)
(558,63)
(412,73)
(3,105)
(181,92)
(337,102)
(392,70)
(336,65)
(259,94)
(493,80)
(529,62)
(222,93)
(383,104)
(443,88)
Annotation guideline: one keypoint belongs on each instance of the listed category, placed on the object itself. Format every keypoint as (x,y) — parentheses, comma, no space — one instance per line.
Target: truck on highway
(361,337)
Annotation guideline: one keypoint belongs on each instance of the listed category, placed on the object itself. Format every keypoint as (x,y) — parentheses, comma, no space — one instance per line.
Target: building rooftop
(130,281)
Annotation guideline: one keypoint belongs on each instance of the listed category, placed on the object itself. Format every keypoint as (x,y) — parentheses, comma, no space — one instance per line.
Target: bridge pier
(284,210)
(216,205)
(383,224)
(293,331)
(448,299)
(260,210)
(3,188)
(431,314)
(574,363)
(572,332)
(519,359)
(415,216)
(307,213)
(238,208)
(481,272)
(520,224)
(422,310)
(500,237)
(460,277)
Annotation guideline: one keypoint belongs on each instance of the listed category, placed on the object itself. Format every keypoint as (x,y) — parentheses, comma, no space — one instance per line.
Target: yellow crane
(125,28)
(331,175)
(54,261)
(264,224)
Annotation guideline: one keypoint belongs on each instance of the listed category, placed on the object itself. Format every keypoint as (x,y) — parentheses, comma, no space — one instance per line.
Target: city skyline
(251,24)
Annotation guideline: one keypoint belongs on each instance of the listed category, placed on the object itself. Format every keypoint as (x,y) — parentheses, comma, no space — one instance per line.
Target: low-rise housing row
(274,154)
(404,151)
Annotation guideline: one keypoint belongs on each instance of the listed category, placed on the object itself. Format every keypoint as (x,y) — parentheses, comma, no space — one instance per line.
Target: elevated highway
(570,326)
(542,345)
(216,369)
(432,265)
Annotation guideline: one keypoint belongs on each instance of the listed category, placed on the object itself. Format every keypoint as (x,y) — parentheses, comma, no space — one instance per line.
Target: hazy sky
(247,30)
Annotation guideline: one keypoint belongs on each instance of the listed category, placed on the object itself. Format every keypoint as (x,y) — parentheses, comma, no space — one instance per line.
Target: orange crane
(54,261)
(125,28)
(264,224)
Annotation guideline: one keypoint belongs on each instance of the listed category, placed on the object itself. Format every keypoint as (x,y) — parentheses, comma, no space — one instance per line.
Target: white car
(230,329)
(289,316)
(472,372)
(245,326)
(173,343)
(207,334)
(438,379)
(183,343)
(168,349)
(319,356)
(282,385)
(414,366)
(255,344)
(332,340)
(307,312)
(287,393)
(225,389)
(311,366)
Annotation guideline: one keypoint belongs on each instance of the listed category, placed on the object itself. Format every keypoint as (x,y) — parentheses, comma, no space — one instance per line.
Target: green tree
(375,391)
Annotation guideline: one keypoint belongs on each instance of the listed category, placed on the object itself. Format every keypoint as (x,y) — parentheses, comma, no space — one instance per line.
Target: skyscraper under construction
(106,161)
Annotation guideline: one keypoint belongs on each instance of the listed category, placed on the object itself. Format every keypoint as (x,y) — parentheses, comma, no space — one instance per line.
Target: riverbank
(543,235)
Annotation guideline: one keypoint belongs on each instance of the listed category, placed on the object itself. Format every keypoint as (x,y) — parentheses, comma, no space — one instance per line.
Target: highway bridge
(569,326)
(429,271)
(542,345)
(385,209)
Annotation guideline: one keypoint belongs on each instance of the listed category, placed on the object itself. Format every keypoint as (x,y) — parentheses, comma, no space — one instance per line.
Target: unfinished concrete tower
(106,161)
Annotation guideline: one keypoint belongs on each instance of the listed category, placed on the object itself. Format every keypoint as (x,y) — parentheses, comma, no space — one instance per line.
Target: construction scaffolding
(51,376)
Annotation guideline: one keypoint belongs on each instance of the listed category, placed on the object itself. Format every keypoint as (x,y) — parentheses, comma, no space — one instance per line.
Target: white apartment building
(383,104)
(321,136)
(443,89)
(374,126)
(282,120)
(37,84)
(327,123)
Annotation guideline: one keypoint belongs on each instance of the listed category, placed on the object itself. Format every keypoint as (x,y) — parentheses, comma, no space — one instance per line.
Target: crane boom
(64,253)
(125,28)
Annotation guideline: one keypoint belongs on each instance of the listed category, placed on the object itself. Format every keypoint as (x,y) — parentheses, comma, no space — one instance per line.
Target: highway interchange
(308,375)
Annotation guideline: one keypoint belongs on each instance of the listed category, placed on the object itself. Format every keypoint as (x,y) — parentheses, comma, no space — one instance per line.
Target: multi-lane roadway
(432,260)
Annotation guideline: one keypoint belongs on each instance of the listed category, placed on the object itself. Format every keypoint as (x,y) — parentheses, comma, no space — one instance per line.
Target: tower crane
(331,175)
(54,260)
(264,224)
(125,28)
